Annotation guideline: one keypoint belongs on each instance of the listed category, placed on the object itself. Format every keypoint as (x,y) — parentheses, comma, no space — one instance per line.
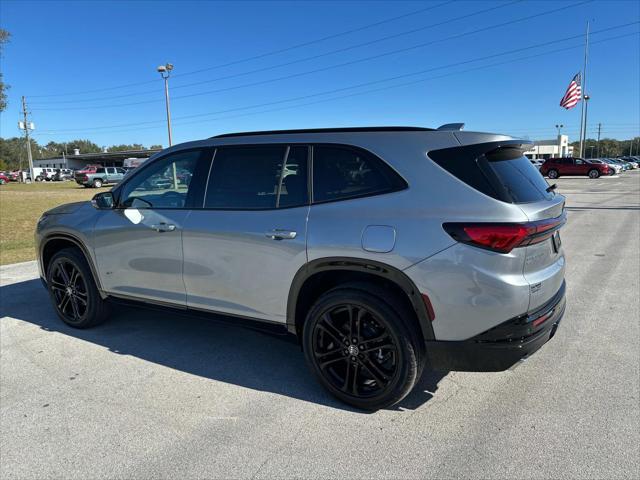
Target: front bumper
(503,346)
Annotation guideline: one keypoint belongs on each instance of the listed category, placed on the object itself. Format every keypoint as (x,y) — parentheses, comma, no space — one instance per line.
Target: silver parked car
(383,250)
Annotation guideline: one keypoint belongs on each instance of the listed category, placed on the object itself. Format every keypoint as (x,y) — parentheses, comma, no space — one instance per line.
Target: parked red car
(3,179)
(554,167)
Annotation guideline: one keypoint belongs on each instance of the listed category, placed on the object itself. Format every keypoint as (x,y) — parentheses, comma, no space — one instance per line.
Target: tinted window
(504,174)
(520,179)
(163,184)
(345,172)
(253,178)
(99,170)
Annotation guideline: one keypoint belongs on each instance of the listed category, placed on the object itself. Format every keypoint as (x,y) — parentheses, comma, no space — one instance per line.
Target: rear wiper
(551,188)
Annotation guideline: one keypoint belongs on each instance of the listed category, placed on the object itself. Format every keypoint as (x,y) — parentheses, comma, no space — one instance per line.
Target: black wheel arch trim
(78,243)
(359,265)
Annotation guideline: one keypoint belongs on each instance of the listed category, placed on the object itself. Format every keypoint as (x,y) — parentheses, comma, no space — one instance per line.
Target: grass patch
(22,205)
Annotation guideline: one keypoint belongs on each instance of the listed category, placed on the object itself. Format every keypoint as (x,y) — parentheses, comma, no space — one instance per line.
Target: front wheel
(97,183)
(73,291)
(552,174)
(594,173)
(361,349)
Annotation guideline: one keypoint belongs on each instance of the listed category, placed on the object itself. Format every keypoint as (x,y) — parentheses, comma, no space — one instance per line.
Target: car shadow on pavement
(198,346)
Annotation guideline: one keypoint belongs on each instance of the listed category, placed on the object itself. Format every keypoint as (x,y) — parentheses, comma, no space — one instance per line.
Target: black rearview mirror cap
(103,201)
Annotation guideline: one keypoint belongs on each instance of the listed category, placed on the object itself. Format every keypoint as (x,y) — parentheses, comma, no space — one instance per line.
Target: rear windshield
(504,174)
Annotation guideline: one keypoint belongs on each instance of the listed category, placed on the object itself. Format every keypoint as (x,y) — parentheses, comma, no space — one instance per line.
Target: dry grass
(20,208)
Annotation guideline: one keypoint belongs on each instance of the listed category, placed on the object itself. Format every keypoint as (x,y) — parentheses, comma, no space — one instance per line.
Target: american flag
(573,93)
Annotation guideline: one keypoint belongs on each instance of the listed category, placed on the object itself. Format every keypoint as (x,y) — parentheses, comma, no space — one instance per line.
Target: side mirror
(103,201)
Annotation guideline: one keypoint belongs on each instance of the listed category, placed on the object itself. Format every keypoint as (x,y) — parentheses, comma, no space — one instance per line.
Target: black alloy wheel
(69,289)
(360,348)
(355,351)
(73,291)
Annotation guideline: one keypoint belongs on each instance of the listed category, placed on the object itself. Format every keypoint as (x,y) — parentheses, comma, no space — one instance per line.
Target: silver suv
(383,250)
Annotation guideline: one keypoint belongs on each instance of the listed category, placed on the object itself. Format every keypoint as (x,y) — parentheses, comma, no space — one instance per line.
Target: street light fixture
(559,127)
(165,72)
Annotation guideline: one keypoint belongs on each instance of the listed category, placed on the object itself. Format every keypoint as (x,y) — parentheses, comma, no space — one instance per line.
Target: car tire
(593,173)
(2,181)
(553,173)
(345,334)
(38,178)
(97,183)
(73,290)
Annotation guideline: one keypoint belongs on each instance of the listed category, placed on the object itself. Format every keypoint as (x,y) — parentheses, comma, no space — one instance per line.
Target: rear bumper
(504,345)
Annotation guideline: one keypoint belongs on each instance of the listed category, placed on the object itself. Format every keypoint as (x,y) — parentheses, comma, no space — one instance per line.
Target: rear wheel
(361,349)
(553,173)
(73,291)
(97,183)
(593,173)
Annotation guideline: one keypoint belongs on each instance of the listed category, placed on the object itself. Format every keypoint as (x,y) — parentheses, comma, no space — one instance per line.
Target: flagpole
(583,116)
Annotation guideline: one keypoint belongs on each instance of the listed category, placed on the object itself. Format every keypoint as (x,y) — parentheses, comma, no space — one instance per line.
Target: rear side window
(504,173)
(341,172)
(258,177)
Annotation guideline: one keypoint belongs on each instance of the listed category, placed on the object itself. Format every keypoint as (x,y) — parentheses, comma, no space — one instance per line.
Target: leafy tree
(4,38)
(122,148)
(85,146)
(155,147)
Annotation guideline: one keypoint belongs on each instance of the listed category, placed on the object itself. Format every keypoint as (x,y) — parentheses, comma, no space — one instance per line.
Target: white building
(543,149)
(78,160)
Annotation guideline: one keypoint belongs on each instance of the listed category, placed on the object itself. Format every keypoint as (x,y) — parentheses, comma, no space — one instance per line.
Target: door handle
(163,227)
(278,234)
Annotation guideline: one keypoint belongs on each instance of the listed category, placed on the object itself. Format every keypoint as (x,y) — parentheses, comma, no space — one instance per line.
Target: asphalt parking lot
(151,395)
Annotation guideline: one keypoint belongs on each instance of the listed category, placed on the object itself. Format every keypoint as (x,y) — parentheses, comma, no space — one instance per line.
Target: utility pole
(599,129)
(585,97)
(26,125)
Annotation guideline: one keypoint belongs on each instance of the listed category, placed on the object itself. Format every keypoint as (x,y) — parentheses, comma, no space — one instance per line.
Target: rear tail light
(504,237)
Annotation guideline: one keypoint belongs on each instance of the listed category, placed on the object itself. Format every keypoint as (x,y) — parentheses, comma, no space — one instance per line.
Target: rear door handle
(278,234)
(163,227)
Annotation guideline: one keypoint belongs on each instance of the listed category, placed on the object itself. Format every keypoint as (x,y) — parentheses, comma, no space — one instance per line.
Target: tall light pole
(165,72)
(559,127)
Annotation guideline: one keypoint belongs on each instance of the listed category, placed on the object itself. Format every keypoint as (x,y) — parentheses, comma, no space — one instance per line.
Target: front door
(138,245)
(242,250)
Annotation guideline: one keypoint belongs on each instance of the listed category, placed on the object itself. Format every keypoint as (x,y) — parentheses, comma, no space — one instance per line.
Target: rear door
(243,248)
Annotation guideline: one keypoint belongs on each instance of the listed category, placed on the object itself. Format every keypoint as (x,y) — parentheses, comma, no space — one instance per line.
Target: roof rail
(451,126)
(328,130)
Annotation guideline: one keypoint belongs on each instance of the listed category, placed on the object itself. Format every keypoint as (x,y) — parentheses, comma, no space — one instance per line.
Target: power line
(373,82)
(262,55)
(305,59)
(49,133)
(309,72)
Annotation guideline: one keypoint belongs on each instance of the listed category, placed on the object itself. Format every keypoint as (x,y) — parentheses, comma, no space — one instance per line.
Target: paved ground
(149,395)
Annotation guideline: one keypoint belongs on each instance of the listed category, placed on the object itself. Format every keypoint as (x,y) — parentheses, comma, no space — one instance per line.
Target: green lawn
(20,208)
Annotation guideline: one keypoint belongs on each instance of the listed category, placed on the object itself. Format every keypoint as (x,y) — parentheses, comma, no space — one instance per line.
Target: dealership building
(543,149)
(77,160)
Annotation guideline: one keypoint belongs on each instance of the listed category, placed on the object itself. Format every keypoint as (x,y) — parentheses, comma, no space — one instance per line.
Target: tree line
(13,151)
(608,147)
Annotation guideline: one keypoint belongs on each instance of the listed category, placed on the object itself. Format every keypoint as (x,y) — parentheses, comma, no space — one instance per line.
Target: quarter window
(163,184)
(346,172)
(253,177)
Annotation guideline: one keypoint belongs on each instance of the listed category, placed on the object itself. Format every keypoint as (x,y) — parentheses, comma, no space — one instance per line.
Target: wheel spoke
(376,374)
(323,355)
(80,299)
(74,307)
(384,346)
(63,274)
(74,277)
(327,326)
(56,284)
(365,343)
(64,302)
(324,365)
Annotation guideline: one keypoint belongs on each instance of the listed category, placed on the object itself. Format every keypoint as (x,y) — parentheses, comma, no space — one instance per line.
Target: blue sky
(61,49)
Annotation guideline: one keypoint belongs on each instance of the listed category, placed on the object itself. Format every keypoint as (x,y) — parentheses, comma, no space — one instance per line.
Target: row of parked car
(592,167)
(89,176)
